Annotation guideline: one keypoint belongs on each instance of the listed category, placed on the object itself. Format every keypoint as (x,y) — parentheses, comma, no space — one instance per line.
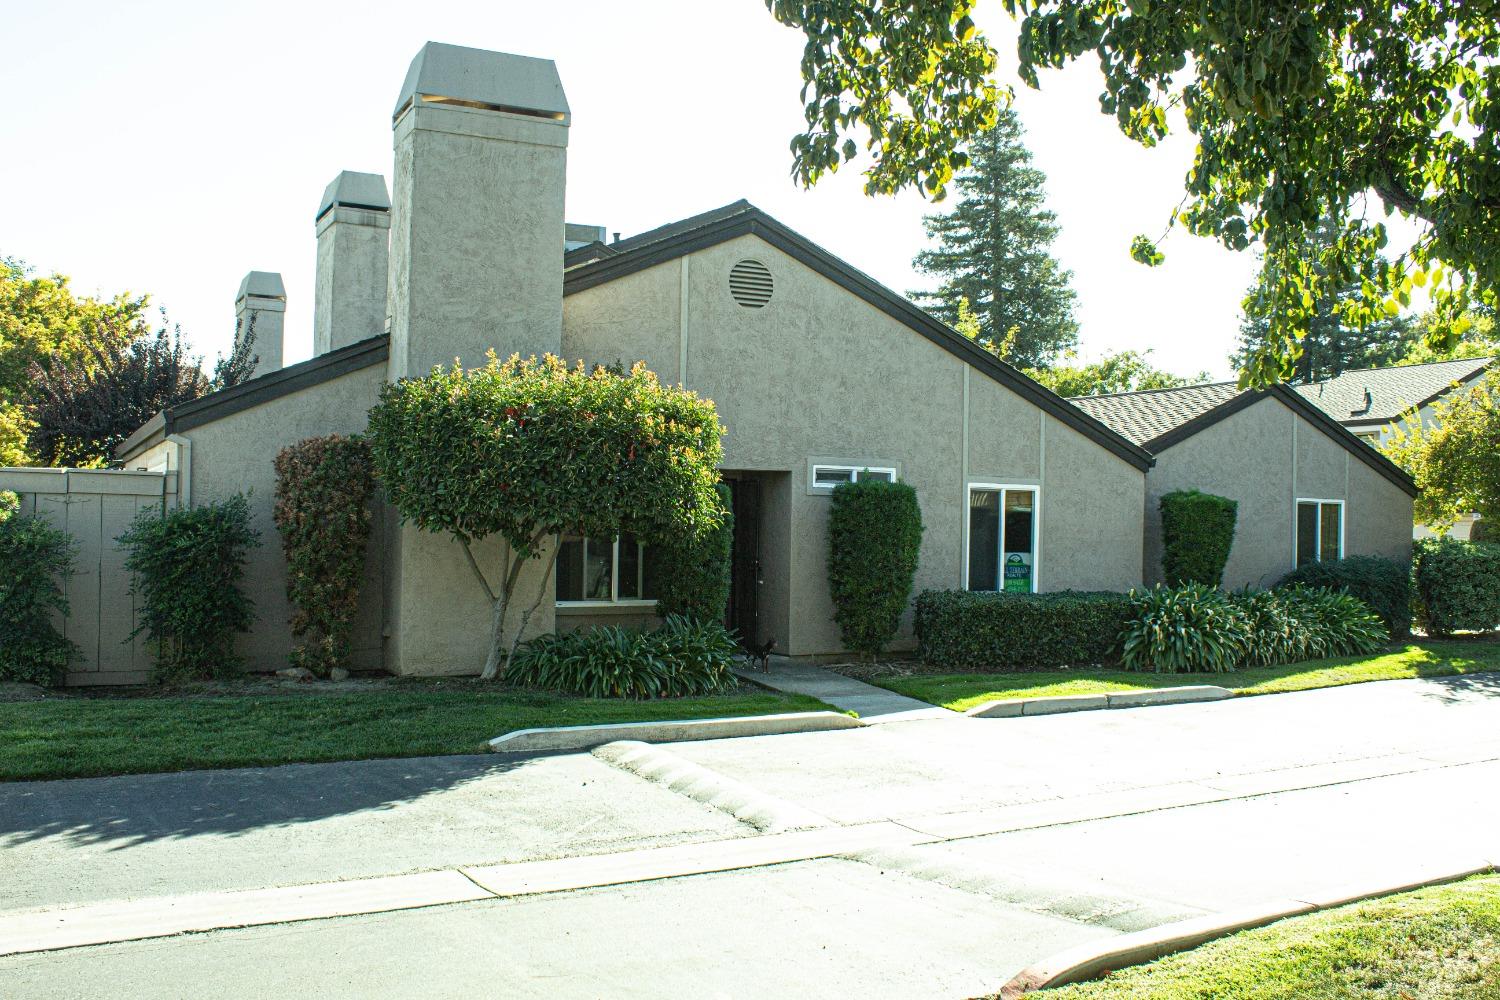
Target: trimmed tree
(1455,458)
(323,487)
(529,449)
(694,570)
(874,539)
(1197,532)
(35,558)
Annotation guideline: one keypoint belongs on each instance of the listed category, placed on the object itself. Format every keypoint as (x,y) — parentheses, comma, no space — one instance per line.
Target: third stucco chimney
(477,215)
(261,300)
(354,230)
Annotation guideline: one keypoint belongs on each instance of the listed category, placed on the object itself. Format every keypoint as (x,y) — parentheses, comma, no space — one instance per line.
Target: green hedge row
(970,631)
(1458,585)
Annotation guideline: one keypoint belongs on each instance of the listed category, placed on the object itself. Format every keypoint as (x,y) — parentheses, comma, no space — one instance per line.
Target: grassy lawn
(961,692)
(1441,943)
(77,737)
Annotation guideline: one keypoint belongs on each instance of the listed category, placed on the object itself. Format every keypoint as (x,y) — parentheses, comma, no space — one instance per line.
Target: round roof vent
(750,283)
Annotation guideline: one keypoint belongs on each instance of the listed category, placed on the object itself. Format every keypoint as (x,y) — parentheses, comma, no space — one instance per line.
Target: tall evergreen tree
(1334,343)
(995,250)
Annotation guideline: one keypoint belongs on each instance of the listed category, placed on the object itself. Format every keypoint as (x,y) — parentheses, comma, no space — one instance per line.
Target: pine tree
(995,250)
(1333,344)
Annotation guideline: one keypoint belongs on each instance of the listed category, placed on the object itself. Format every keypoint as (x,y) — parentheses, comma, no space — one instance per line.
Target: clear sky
(169,147)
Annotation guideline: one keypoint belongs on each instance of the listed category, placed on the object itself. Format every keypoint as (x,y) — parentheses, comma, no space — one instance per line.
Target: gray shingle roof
(1392,391)
(1143,416)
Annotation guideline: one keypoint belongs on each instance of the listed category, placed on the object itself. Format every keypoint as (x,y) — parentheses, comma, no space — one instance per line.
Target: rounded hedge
(1458,585)
(693,579)
(1197,532)
(874,540)
(1383,584)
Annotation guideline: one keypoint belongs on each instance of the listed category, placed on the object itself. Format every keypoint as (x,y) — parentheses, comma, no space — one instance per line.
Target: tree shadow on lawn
(132,809)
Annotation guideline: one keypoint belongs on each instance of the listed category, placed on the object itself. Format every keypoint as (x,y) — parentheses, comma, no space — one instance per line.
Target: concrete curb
(766,813)
(586,737)
(1092,960)
(1014,707)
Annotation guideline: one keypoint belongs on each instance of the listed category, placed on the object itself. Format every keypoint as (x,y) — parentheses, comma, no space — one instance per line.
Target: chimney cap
(355,190)
(499,81)
(262,285)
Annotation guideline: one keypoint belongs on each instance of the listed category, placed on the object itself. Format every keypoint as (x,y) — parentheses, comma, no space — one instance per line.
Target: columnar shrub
(874,539)
(34,559)
(1383,584)
(322,511)
(1197,532)
(693,569)
(682,657)
(9,504)
(1458,585)
(964,630)
(1185,629)
(187,569)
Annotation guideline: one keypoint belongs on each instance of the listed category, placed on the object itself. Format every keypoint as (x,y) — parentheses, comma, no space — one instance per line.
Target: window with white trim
(825,478)
(1320,531)
(605,571)
(1002,538)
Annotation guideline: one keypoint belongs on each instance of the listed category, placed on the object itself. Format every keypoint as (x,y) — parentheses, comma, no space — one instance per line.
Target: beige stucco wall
(819,374)
(234,454)
(1265,457)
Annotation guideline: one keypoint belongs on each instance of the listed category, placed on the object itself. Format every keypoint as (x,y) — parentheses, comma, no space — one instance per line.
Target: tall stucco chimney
(354,231)
(477,218)
(262,299)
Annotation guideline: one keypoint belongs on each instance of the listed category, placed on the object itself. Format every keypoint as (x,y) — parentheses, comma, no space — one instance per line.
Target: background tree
(1338,336)
(1301,112)
(1456,459)
(994,252)
(528,450)
(42,323)
(1476,339)
(81,405)
(1125,371)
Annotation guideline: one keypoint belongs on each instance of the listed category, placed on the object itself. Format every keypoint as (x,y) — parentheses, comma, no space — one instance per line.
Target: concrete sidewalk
(872,704)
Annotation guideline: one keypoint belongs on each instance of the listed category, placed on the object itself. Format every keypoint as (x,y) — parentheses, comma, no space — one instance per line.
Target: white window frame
(615,601)
(855,471)
(1318,536)
(1036,531)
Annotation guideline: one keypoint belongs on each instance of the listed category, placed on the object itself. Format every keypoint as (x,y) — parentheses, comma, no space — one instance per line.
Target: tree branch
(478,573)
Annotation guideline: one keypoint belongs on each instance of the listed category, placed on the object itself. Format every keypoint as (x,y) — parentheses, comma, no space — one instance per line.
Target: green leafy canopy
(1301,112)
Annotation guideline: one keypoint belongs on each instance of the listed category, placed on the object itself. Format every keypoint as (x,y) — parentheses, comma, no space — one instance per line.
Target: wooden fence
(95,507)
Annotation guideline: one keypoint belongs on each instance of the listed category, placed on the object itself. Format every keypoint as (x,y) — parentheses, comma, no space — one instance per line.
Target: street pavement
(1028,836)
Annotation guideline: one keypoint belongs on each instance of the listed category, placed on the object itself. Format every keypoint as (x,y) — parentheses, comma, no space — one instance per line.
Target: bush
(1336,623)
(1276,630)
(1383,584)
(9,504)
(693,570)
(188,567)
(1184,629)
(874,539)
(1458,585)
(323,488)
(1197,532)
(34,558)
(968,630)
(682,657)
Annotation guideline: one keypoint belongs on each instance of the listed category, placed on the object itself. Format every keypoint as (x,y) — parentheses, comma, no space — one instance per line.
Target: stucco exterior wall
(820,375)
(234,454)
(1265,457)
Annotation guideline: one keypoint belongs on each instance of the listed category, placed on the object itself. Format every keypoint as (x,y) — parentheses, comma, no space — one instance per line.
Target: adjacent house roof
(1377,396)
(598,263)
(272,385)
(1157,419)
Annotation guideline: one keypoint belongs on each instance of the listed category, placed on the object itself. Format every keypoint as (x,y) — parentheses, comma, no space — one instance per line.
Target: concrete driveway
(1000,841)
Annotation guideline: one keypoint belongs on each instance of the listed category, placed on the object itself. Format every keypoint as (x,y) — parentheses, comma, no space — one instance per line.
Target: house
(1307,488)
(820,374)
(1373,402)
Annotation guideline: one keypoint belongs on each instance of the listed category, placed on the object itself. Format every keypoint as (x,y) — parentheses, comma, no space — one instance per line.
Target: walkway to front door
(870,703)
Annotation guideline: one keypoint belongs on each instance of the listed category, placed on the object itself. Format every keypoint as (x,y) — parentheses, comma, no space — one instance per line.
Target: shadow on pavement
(1460,690)
(137,808)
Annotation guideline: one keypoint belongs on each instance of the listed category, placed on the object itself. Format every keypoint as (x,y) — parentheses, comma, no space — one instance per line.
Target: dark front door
(743,612)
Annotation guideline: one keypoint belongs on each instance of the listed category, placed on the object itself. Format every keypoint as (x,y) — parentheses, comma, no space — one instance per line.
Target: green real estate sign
(1017,573)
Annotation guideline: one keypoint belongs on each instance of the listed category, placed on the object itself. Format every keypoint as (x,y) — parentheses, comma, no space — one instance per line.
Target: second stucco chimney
(354,229)
(477,214)
(261,300)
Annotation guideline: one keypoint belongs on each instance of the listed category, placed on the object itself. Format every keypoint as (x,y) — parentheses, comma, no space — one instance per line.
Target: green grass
(961,692)
(72,737)
(1439,943)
